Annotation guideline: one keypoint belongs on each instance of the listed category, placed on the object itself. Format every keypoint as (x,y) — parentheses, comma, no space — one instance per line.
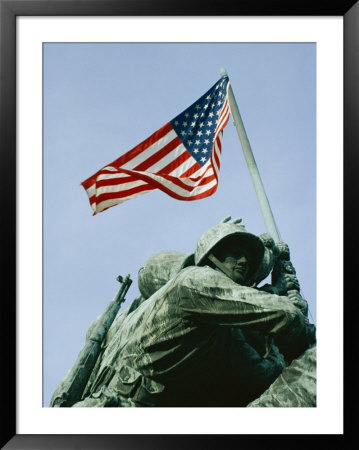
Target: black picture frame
(9,10)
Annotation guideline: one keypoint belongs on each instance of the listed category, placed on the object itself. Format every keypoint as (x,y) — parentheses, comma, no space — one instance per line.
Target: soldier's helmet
(162,266)
(157,270)
(228,233)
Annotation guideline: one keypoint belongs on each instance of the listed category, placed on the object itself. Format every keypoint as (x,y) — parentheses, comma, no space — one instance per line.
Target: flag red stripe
(159,134)
(115,181)
(159,155)
(123,194)
(174,180)
(147,179)
(191,170)
(175,164)
(150,184)
(110,196)
(131,153)
(121,180)
(216,158)
(179,183)
(129,178)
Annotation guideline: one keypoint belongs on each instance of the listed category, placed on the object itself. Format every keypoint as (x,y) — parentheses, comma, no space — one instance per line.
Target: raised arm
(209,297)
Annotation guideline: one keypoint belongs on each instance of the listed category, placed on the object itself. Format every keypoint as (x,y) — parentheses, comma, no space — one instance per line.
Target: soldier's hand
(283,250)
(291,282)
(286,282)
(298,301)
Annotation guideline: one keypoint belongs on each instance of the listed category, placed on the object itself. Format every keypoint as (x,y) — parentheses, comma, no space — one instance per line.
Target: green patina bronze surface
(195,337)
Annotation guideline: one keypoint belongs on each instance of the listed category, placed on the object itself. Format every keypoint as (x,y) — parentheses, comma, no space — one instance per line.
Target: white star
(193,124)
(186,115)
(184,124)
(211,114)
(176,122)
(202,114)
(204,150)
(195,116)
(195,150)
(203,159)
(199,133)
(183,133)
(189,142)
(205,106)
(201,124)
(197,142)
(206,141)
(208,97)
(190,133)
(209,123)
(208,132)
(198,107)
(219,103)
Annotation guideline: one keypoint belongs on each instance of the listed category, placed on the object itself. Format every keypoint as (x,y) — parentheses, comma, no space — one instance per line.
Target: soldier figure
(209,336)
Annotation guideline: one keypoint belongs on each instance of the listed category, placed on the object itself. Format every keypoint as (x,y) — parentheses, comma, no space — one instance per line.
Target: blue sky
(100,100)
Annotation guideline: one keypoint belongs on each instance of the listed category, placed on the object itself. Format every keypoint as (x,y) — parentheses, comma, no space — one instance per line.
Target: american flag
(181,159)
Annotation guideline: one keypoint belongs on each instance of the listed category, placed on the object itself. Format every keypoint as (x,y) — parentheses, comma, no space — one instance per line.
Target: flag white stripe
(124,186)
(218,146)
(188,181)
(115,201)
(186,165)
(132,184)
(205,187)
(170,157)
(207,171)
(171,186)
(184,193)
(150,151)
(223,113)
(113,169)
(155,168)
(215,167)
(178,189)
(220,128)
(201,170)
(91,191)
(119,187)
(112,176)
(217,152)
(222,118)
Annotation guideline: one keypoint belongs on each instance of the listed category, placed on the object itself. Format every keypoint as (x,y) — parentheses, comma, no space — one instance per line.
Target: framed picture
(84,82)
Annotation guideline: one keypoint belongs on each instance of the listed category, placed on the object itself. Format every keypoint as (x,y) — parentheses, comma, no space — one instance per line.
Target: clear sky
(101,100)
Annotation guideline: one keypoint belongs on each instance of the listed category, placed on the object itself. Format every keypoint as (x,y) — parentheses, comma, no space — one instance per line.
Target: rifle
(70,389)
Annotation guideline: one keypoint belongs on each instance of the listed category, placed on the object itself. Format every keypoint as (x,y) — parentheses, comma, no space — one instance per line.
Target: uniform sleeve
(209,297)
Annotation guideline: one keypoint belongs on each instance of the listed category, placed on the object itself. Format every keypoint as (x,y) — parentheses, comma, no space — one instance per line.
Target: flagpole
(252,166)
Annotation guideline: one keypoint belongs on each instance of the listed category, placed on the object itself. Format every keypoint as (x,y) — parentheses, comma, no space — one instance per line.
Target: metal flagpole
(252,166)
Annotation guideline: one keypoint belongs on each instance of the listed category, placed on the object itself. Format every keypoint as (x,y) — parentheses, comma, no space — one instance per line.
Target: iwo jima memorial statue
(203,331)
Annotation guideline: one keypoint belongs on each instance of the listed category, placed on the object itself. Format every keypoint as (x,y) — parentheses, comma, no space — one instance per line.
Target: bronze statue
(204,334)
